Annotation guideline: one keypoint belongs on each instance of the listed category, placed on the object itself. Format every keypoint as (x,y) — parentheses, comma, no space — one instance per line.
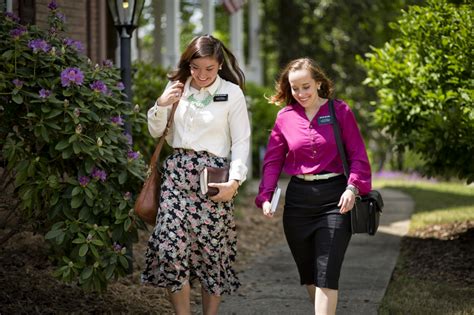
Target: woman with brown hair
(318,198)
(194,236)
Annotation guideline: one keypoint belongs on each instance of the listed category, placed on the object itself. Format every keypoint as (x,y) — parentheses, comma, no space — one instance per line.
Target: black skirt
(317,234)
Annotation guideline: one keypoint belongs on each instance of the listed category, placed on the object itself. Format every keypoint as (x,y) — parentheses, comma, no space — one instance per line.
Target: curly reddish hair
(283,94)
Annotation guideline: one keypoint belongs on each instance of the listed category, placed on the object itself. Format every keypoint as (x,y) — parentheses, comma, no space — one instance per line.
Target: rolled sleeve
(157,119)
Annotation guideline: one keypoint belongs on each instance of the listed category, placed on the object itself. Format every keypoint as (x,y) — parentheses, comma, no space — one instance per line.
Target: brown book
(213,175)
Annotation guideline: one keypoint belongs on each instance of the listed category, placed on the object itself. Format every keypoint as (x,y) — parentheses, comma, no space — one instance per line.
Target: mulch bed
(441,251)
(27,286)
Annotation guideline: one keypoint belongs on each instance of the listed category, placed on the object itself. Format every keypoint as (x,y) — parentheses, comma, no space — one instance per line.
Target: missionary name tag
(324,120)
(221,98)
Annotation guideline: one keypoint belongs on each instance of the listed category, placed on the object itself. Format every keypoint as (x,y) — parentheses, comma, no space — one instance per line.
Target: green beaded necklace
(200,104)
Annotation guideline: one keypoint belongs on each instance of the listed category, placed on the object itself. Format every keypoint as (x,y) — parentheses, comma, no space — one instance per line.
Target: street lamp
(126,14)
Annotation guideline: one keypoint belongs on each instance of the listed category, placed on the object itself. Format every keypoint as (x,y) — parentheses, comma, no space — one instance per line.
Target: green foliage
(333,33)
(262,116)
(424,82)
(62,138)
(149,82)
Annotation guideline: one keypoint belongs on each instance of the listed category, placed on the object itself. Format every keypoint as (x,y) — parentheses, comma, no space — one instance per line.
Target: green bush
(62,138)
(262,116)
(424,82)
(149,82)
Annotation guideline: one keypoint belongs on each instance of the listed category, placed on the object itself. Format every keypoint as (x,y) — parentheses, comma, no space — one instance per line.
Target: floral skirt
(194,237)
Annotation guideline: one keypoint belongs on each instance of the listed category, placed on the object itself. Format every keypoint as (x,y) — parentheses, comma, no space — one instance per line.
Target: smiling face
(204,71)
(304,88)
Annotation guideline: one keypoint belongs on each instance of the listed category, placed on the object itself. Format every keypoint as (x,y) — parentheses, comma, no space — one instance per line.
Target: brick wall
(86,21)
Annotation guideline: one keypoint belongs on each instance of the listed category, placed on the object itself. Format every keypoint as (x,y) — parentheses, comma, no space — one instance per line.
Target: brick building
(88,21)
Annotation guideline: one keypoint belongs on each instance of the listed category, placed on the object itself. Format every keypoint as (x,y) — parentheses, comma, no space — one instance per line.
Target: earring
(220,67)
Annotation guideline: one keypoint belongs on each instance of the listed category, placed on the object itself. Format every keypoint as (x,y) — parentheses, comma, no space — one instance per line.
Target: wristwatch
(354,189)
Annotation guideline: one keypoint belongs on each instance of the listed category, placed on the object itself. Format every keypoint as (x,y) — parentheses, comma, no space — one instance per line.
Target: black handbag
(366,213)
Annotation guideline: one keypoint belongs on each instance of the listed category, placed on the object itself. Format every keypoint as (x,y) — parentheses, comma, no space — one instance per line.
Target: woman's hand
(266,207)
(347,201)
(171,95)
(227,190)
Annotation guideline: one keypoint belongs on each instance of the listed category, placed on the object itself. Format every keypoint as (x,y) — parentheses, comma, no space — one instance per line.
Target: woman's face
(204,71)
(303,87)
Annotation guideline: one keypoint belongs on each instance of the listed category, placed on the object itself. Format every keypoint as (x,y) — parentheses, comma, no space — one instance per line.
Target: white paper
(275,200)
(203,181)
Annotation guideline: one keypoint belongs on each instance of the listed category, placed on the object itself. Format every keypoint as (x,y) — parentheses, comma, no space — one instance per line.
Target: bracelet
(354,189)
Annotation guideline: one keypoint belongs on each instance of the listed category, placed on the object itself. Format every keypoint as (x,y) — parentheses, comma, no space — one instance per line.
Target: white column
(208,16)
(158,9)
(254,68)
(9,6)
(237,36)
(134,53)
(171,55)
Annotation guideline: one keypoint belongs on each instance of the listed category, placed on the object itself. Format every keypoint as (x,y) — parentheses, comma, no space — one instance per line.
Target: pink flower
(43,93)
(17,32)
(53,5)
(71,76)
(99,87)
(180,214)
(117,120)
(39,44)
(18,83)
(132,155)
(99,174)
(84,180)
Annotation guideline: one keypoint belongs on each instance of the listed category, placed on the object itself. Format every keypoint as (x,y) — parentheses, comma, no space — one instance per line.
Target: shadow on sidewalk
(270,282)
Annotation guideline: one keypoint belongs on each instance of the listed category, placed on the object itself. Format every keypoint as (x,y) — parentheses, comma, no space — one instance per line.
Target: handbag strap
(161,142)
(337,135)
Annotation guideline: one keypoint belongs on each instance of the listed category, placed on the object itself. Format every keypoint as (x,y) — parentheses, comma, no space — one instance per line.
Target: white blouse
(222,127)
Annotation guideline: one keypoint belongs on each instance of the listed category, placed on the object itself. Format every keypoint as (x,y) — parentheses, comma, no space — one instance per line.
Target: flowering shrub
(63,139)
(149,81)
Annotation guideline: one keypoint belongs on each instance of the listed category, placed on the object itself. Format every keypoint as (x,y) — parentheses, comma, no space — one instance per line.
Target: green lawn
(435,203)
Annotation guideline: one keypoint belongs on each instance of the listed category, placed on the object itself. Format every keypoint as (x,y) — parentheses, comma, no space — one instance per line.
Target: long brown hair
(283,95)
(209,46)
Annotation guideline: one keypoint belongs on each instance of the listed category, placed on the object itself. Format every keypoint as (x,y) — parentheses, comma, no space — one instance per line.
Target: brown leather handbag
(213,175)
(148,201)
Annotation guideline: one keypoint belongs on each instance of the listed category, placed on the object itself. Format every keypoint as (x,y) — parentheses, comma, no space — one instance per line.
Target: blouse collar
(212,89)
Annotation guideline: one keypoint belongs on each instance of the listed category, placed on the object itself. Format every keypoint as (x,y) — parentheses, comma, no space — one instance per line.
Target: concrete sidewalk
(270,283)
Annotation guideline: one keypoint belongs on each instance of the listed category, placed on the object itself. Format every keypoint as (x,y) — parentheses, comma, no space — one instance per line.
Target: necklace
(200,103)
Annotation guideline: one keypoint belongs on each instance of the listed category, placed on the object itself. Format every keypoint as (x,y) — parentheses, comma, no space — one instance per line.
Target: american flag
(233,6)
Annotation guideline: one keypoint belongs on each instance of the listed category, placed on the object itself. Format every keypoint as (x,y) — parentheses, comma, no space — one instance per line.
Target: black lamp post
(126,14)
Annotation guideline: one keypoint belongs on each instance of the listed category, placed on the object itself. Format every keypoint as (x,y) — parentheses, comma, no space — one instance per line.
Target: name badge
(221,97)
(324,120)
